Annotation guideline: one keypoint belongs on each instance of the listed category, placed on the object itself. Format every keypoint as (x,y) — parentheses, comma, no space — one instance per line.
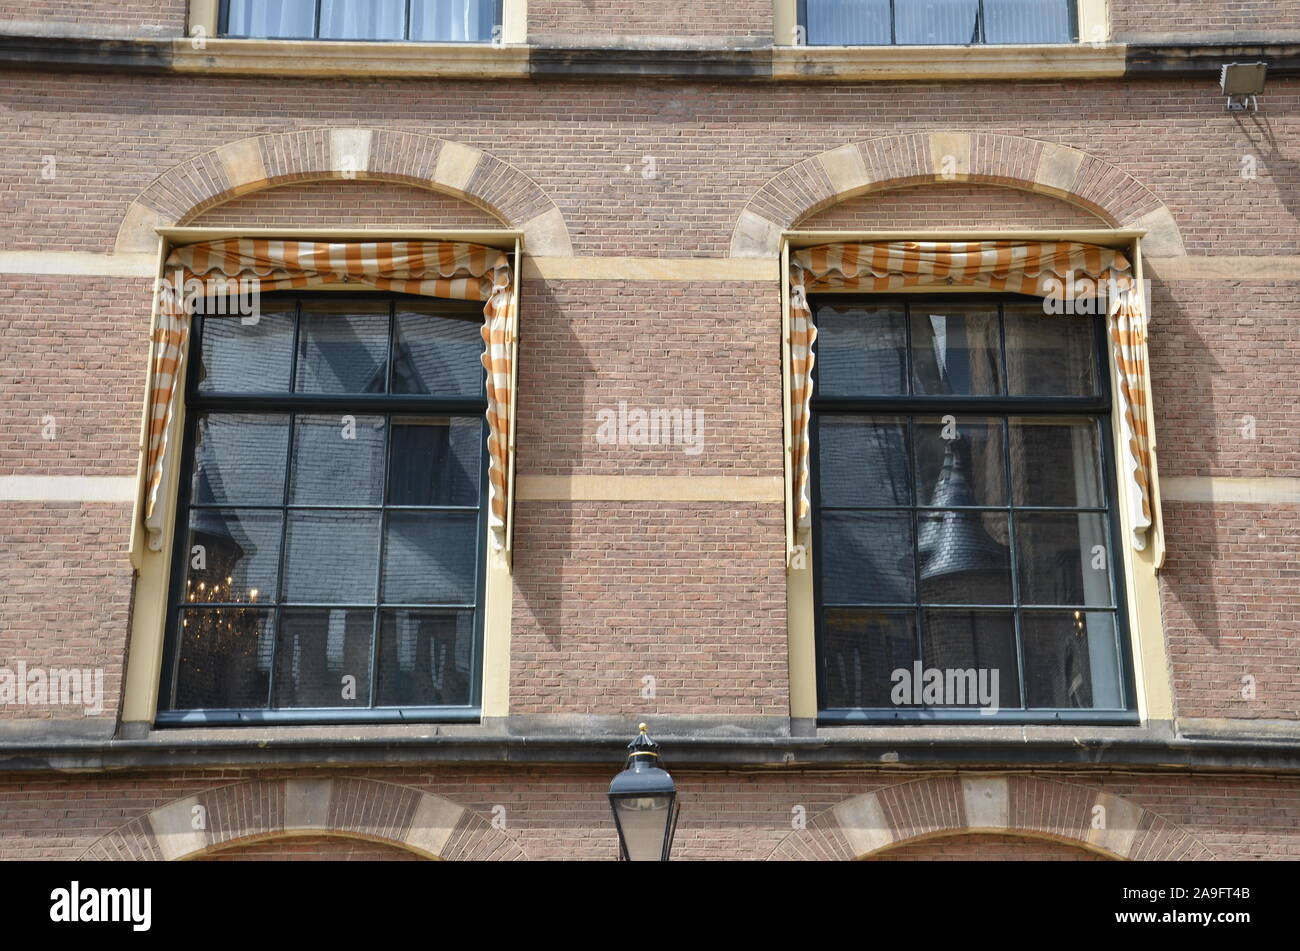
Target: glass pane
(866,558)
(1064,559)
(240,357)
(861,349)
(964,557)
(453,21)
(239,459)
(338,460)
(975,651)
(848,23)
(863,460)
(1071,659)
(224,659)
(936,22)
(441,355)
(960,462)
(1027,21)
(1049,355)
(1055,462)
(435,461)
(860,652)
(331,557)
(279,18)
(426,657)
(956,350)
(363,19)
(232,556)
(342,347)
(322,658)
(431,557)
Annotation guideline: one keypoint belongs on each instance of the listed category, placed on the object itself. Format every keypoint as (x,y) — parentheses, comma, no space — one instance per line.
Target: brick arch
(424,823)
(874,822)
(263,161)
(898,161)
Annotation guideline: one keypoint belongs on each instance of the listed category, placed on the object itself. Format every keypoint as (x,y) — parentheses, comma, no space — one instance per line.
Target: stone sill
(312,58)
(947,63)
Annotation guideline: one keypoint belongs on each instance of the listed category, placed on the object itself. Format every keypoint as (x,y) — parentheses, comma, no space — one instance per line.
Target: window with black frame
(429,21)
(330,531)
(937,22)
(965,536)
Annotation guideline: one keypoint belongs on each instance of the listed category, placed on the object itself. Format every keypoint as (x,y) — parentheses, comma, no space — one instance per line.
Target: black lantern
(644,801)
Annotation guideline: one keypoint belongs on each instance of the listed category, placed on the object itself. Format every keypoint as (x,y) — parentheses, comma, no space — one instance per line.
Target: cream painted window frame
(1094,22)
(1141,590)
(153,566)
(205,14)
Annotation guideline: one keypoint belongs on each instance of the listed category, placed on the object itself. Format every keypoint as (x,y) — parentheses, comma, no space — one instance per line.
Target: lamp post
(644,801)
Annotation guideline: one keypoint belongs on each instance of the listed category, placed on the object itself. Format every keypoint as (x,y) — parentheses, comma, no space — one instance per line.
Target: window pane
(436,354)
(848,23)
(1064,559)
(236,357)
(239,459)
(982,642)
(967,468)
(232,555)
(224,659)
(1071,659)
(363,19)
(866,558)
(426,657)
(280,18)
(453,21)
(863,461)
(338,460)
(1027,21)
(342,347)
(860,652)
(431,558)
(1049,355)
(331,557)
(861,349)
(435,461)
(964,557)
(936,22)
(322,658)
(1055,461)
(956,350)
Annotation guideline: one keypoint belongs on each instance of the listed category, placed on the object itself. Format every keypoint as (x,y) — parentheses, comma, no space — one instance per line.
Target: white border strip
(40,488)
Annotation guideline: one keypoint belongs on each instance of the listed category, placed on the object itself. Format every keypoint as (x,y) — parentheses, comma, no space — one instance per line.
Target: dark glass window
(963,511)
(440,21)
(330,535)
(937,22)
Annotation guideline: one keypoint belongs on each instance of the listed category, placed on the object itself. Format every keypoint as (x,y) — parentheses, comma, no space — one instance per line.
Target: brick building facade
(654,162)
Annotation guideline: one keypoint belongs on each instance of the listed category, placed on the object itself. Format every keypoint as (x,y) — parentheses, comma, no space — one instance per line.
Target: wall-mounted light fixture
(1242,83)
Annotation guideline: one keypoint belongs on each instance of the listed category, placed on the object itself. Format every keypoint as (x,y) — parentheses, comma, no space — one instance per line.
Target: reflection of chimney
(952,543)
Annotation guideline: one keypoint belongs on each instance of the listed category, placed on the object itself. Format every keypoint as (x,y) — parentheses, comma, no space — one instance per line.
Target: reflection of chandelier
(224,641)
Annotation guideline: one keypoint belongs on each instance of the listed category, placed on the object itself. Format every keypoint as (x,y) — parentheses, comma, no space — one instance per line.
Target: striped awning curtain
(447,269)
(1051,269)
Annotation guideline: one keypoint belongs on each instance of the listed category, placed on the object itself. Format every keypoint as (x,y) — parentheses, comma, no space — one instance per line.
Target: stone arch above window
(900,161)
(420,822)
(264,161)
(871,823)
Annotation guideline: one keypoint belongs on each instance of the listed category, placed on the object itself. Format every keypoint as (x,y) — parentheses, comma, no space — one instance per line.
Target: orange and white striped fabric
(446,269)
(1050,269)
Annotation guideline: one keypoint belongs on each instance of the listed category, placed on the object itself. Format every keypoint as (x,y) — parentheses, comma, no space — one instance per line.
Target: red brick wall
(987,848)
(128,17)
(951,206)
(1130,17)
(743,19)
(312,848)
(347,204)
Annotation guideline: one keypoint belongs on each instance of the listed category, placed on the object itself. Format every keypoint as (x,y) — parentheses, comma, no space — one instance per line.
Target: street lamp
(644,801)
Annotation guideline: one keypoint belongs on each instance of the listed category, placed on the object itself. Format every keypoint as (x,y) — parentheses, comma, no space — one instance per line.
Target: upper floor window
(937,22)
(330,538)
(440,21)
(964,518)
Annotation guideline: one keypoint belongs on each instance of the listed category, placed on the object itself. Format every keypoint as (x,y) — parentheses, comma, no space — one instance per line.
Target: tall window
(442,21)
(937,22)
(329,544)
(963,497)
